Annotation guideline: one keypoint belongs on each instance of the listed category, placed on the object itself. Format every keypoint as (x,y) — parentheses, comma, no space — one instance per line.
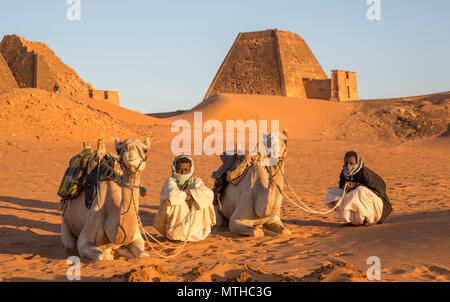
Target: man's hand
(189,196)
(351,185)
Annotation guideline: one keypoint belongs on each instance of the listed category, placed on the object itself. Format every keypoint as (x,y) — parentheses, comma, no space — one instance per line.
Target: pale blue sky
(162,55)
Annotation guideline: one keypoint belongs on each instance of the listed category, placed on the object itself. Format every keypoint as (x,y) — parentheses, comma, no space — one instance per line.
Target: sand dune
(412,244)
(305,118)
(391,121)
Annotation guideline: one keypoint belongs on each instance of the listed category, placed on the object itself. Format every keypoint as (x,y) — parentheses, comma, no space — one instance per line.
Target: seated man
(186,211)
(366,201)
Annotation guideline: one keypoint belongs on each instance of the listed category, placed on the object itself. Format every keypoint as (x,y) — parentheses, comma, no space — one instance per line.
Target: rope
(303,206)
(146,234)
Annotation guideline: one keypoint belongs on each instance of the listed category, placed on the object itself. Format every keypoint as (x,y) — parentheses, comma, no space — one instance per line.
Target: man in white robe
(186,210)
(366,201)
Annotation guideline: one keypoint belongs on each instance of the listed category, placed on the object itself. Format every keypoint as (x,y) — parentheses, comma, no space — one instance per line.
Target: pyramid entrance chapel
(274,62)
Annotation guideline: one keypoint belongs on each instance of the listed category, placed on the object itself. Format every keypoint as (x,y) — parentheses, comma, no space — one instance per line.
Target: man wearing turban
(366,201)
(186,210)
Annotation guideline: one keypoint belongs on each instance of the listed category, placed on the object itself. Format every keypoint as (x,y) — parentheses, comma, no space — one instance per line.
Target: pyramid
(269,62)
(35,65)
(7,80)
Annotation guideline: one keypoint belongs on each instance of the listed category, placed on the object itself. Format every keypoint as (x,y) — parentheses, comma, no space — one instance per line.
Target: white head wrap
(182,179)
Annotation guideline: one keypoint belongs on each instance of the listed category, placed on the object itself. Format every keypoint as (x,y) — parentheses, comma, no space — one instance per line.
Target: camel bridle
(143,158)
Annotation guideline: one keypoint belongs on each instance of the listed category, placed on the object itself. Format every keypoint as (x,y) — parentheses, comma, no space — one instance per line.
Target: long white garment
(358,205)
(178,218)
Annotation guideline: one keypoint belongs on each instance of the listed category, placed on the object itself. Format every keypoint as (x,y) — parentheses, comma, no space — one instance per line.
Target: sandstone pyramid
(35,65)
(7,80)
(269,62)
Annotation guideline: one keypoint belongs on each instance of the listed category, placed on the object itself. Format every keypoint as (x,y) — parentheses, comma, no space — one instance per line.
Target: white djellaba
(181,219)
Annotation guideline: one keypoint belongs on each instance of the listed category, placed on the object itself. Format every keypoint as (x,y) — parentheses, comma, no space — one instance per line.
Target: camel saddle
(84,172)
(233,169)
(73,180)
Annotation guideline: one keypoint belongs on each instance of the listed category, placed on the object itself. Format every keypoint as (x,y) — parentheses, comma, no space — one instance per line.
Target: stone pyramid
(35,65)
(269,62)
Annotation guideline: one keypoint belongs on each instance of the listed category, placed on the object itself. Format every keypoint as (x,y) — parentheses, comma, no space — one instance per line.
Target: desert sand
(405,140)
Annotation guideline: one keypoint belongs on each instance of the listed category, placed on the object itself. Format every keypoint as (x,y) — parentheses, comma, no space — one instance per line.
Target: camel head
(132,154)
(282,143)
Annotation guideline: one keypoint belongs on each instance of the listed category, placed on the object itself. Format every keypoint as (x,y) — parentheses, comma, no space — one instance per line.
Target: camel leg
(137,247)
(125,252)
(275,224)
(90,250)
(245,227)
(68,239)
(221,221)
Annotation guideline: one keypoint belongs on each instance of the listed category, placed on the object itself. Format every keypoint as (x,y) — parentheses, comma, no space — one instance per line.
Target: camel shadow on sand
(31,203)
(28,236)
(20,242)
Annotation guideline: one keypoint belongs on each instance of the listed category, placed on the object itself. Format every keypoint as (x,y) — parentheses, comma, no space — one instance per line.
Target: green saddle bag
(73,180)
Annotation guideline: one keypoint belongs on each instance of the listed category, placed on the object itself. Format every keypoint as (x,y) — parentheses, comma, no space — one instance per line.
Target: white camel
(256,201)
(111,222)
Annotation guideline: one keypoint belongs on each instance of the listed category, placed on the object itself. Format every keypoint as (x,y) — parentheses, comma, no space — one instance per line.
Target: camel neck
(127,210)
(132,180)
(276,171)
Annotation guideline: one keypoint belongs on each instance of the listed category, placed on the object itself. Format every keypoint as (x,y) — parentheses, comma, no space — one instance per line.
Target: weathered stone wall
(353,85)
(344,86)
(298,62)
(105,95)
(251,67)
(7,80)
(44,78)
(21,61)
(317,89)
(112,97)
(97,94)
(35,65)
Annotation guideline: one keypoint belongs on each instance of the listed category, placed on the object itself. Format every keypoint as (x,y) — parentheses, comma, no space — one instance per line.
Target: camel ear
(117,144)
(147,143)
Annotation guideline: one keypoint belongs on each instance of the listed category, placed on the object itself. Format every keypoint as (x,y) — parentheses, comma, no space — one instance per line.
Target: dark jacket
(371,180)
